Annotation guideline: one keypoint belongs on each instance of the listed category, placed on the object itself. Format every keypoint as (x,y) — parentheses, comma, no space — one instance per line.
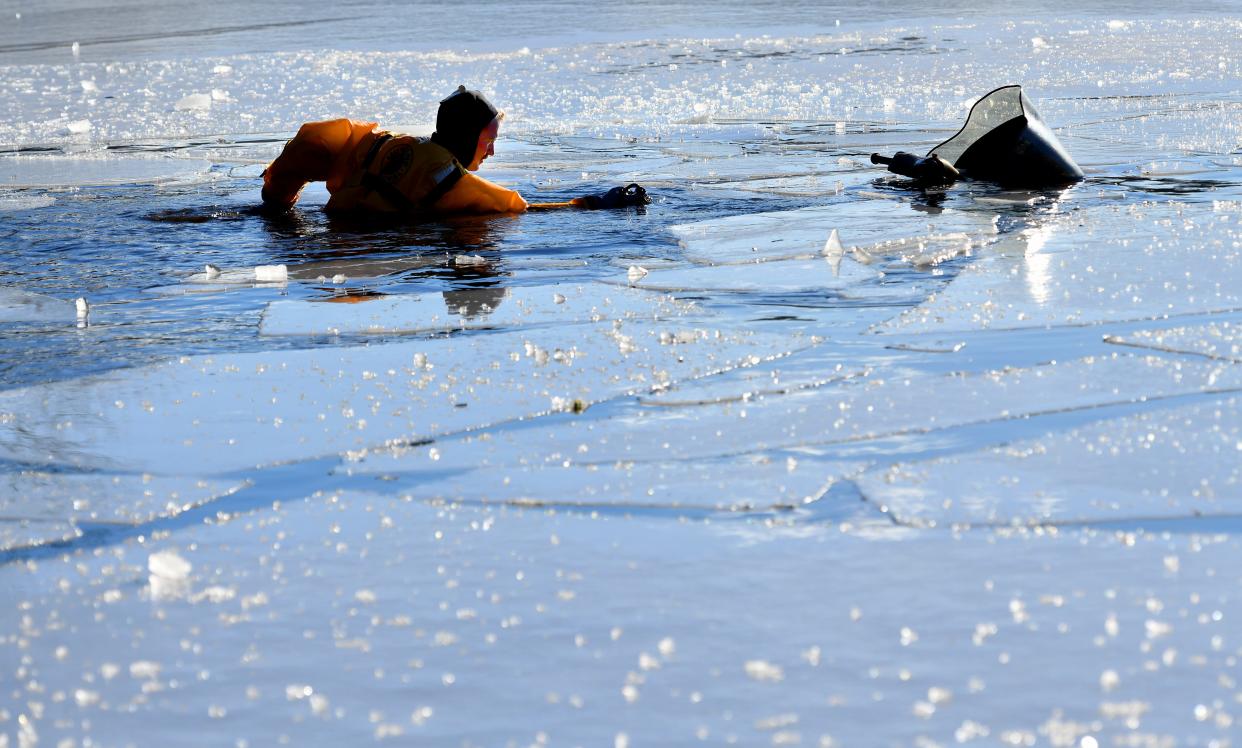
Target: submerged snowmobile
(1003,141)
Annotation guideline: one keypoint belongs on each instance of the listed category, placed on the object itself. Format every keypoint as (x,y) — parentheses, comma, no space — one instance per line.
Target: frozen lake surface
(799,454)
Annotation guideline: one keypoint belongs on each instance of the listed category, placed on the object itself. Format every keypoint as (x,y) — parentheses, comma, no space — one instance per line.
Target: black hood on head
(460,121)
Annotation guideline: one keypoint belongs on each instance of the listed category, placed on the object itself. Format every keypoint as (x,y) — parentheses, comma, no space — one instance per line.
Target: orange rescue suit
(371,170)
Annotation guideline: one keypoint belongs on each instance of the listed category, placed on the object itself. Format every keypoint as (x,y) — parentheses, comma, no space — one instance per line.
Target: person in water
(371,170)
(374,171)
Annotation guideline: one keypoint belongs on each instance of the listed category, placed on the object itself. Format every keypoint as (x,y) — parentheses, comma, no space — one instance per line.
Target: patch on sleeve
(397,162)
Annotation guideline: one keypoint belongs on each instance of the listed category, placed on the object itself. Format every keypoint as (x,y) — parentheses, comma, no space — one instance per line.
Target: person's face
(487,144)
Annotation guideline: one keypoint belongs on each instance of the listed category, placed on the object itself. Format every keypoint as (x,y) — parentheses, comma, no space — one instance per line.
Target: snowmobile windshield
(1005,141)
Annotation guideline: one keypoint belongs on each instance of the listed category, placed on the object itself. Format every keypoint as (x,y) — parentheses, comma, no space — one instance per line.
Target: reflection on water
(1038,265)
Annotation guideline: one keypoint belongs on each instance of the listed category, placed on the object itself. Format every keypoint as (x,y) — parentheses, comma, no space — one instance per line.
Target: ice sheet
(67,171)
(864,224)
(1182,462)
(317,613)
(17,305)
(495,307)
(18,533)
(853,412)
(776,277)
(583,628)
(97,497)
(524,472)
(201,415)
(1222,340)
(17,201)
(1071,271)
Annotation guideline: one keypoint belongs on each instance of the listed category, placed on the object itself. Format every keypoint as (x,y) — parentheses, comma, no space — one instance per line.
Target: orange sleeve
(473,194)
(309,157)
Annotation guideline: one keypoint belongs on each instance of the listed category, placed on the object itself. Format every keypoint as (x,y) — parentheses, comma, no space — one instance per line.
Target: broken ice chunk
(271,273)
(211,272)
(169,565)
(23,306)
(465,261)
(169,575)
(833,252)
(636,273)
(194,102)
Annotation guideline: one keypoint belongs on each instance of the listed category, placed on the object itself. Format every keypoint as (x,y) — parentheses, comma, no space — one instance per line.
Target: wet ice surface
(1221,341)
(1169,464)
(350,619)
(468,308)
(83,499)
(741,467)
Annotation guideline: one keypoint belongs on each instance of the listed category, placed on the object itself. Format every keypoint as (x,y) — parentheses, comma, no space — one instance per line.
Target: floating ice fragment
(833,252)
(970,730)
(76,49)
(211,272)
(1038,43)
(169,575)
(764,671)
(1109,680)
(468,261)
(812,656)
(1157,629)
(89,86)
(667,647)
(298,691)
(83,307)
(218,94)
(144,670)
(271,273)
(222,69)
(682,337)
(636,273)
(85,698)
(199,102)
(169,565)
(215,594)
(861,256)
(78,127)
(339,278)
